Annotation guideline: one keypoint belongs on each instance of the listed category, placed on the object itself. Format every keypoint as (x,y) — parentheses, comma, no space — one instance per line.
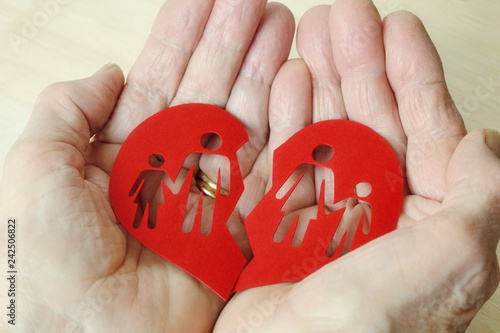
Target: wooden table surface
(53,40)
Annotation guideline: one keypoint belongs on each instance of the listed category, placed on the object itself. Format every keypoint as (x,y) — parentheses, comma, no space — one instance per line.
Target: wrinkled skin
(82,272)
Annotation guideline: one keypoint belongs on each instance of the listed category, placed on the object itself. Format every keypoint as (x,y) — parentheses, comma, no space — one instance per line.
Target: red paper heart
(360,155)
(174,133)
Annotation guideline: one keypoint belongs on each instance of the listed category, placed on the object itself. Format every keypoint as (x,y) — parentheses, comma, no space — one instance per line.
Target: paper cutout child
(148,187)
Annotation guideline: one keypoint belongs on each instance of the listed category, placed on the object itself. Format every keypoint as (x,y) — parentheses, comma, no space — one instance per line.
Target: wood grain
(53,40)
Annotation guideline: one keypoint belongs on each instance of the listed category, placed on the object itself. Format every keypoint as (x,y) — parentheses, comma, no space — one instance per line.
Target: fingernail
(492,139)
(96,137)
(106,67)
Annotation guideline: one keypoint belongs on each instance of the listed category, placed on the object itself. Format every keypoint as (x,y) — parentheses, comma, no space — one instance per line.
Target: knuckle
(54,91)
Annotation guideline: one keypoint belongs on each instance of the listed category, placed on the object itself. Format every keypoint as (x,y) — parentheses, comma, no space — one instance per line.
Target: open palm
(434,272)
(84,272)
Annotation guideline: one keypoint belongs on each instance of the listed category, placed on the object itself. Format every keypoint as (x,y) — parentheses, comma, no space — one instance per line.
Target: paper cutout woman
(149,189)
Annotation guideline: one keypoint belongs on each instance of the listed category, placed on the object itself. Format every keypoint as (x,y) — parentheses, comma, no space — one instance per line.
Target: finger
(474,185)
(474,193)
(358,51)
(100,179)
(102,155)
(249,98)
(217,59)
(65,116)
(255,185)
(290,110)
(154,79)
(428,115)
(237,229)
(315,47)
(478,146)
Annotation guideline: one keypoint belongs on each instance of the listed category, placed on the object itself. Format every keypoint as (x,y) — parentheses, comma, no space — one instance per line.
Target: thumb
(474,183)
(476,157)
(65,116)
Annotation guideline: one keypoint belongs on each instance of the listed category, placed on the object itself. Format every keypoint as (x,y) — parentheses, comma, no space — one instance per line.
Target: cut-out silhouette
(353,210)
(148,197)
(292,189)
(203,209)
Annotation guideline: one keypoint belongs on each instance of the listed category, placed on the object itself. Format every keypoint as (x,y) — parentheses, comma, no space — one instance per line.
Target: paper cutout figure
(174,134)
(145,196)
(353,211)
(360,155)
